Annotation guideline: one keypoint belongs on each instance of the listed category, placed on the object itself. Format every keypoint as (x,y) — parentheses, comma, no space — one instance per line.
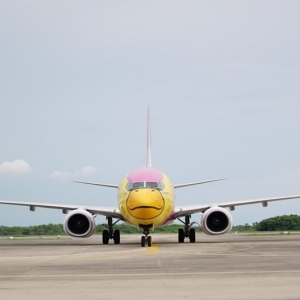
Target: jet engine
(79,223)
(216,220)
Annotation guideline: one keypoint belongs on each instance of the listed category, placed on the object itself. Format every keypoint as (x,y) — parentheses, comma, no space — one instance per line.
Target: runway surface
(215,267)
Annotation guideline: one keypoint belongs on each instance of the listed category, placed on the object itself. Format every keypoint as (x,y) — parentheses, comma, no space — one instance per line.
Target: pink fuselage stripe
(145,174)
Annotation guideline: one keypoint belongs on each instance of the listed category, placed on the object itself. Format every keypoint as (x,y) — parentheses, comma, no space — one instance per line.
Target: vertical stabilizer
(149,159)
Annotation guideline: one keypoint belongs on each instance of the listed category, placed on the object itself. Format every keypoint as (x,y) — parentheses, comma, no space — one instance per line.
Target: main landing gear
(110,233)
(187,231)
(146,238)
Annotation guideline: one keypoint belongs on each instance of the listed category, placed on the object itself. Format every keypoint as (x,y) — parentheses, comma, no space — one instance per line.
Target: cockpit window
(144,184)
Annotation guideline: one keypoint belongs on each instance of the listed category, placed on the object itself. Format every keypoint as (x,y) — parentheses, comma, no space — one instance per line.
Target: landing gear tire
(105,237)
(116,237)
(180,235)
(192,235)
(149,241)
(143,241)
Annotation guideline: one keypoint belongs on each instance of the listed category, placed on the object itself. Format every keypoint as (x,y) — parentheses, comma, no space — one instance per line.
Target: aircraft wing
(113,212)
(181,211)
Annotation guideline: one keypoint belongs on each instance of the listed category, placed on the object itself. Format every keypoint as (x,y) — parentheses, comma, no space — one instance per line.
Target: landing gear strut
(187,231)
(110,233)
(146,237)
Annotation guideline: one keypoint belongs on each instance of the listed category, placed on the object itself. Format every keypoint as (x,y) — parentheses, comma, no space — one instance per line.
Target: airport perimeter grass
(272,226)
(57,230)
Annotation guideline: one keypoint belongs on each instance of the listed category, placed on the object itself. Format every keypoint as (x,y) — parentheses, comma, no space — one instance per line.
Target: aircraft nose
(145,203)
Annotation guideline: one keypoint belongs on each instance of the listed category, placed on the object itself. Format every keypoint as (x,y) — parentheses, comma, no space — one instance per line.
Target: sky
(221,78)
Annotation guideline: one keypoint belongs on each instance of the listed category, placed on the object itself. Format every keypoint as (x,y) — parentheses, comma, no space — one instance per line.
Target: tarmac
(232,266)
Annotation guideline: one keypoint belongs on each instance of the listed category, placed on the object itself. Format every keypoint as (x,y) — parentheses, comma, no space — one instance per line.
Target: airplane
(146,200)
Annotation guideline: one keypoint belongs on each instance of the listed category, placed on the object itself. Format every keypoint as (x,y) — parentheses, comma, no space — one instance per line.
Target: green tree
(280,223)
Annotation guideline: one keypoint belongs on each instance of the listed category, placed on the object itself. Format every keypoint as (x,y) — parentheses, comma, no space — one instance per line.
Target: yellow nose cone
(145,204)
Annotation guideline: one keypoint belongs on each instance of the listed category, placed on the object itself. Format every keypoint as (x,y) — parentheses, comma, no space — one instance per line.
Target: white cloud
(59,175)
(85,171)
(16,167)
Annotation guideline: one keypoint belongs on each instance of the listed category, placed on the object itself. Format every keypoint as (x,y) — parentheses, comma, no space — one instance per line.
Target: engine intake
(79,223)
(216,220)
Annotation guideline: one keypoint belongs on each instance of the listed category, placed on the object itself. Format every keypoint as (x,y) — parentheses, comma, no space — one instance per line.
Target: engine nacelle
(216,220)
(79,223)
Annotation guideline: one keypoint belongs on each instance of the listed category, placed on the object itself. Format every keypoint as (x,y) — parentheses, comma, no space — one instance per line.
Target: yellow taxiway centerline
(154,249)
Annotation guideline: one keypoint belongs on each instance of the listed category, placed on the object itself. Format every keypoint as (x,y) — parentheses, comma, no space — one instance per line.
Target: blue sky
(221,77)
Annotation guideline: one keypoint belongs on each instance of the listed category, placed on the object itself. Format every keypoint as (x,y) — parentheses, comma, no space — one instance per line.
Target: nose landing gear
(146,238)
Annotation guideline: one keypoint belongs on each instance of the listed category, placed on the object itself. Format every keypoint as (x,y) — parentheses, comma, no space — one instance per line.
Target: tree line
(279,223)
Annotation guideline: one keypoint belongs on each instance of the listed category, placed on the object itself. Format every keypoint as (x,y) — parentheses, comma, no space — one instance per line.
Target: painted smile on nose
(145,204)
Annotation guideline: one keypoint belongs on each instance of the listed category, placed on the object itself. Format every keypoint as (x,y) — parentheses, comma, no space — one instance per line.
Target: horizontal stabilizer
(195,183)
(99,184)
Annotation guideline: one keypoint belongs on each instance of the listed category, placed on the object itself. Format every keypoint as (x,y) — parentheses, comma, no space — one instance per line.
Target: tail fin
(149,158)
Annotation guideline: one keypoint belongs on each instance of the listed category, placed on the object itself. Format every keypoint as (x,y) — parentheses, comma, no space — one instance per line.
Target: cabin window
(145,185)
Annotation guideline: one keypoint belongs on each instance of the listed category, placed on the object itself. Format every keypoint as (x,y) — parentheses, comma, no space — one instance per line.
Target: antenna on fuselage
(149,160)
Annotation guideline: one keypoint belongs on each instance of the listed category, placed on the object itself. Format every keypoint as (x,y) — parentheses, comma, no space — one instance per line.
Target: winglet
(149,159)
